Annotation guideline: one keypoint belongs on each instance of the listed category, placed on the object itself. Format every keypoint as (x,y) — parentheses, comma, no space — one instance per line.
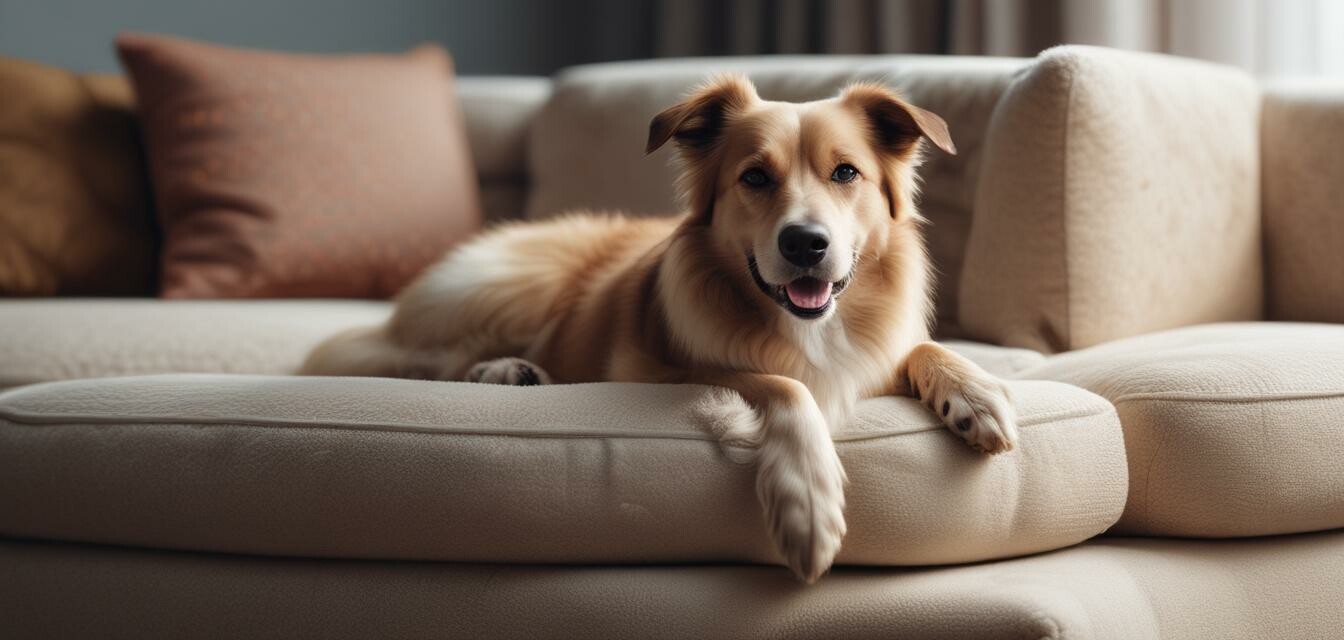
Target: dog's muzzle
(806,297)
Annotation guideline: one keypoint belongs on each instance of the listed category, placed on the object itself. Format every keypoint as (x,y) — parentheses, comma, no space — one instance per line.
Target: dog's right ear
(697,121)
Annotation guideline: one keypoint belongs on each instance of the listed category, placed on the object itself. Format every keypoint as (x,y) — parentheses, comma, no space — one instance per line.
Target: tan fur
(592,297)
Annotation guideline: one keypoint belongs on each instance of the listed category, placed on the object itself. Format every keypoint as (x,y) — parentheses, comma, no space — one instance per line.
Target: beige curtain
(1269,37)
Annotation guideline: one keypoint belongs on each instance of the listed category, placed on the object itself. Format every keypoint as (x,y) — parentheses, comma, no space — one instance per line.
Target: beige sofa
(1136,242)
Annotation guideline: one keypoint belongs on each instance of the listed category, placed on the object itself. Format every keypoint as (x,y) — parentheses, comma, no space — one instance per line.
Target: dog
(797,282)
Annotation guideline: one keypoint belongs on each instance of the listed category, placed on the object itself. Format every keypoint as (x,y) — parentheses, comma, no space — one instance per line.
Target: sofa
(1150,250)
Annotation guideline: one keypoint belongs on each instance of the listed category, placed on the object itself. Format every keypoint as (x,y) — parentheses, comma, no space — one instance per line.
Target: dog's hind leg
(368,352)
(512,371)
(364,351)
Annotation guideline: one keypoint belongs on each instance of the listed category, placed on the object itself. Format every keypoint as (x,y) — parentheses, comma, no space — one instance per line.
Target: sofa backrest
(1113,193)
(586,147)
(499,111)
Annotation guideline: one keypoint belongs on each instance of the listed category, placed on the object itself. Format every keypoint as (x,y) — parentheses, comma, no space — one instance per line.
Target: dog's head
(798,194)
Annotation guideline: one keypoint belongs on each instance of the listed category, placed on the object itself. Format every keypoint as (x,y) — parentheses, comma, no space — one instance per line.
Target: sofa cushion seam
(1162,396)
(35,420)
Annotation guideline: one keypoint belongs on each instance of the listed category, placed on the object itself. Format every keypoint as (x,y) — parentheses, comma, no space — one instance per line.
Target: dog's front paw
(803,493)
(511,371)
(976,408)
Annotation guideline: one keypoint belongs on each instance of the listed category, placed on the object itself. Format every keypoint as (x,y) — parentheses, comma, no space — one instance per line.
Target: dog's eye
(754,178)
(844,173)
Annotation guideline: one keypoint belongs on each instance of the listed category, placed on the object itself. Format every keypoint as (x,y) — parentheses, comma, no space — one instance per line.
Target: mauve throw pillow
(291,175)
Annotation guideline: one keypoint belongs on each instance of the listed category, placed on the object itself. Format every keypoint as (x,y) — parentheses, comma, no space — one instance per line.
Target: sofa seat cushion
(418,470)
(1005,362)
(1231,429)
(59,339)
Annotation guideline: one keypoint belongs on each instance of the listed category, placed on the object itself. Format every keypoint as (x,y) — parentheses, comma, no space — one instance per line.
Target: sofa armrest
(1119,195)
(1301,138)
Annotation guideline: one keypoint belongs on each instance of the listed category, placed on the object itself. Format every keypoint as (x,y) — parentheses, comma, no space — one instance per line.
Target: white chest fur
(840,369)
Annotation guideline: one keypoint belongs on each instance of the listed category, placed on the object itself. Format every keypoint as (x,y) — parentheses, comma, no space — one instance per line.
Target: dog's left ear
(697,121)
(697,124)
(896,123)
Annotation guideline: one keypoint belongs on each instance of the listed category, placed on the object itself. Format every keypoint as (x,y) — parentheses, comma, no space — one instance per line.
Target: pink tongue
(808,293)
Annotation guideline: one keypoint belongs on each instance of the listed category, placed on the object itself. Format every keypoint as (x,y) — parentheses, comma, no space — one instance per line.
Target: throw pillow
(75,215)
(292,175)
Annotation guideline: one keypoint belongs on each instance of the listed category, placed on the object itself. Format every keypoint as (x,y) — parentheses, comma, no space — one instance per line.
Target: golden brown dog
(797,282)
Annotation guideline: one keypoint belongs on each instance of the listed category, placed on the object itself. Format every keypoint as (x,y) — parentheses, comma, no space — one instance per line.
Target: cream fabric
(587,145)
(1000,361)
(59,339)
(1301,142)
(1231,430)
(1118,196)
(415,470)
(1111,589)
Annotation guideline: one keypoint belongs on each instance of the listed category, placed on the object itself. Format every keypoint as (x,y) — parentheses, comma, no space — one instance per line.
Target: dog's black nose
(804,244)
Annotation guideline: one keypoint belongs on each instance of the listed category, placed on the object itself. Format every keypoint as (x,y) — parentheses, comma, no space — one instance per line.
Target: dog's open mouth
(805,297)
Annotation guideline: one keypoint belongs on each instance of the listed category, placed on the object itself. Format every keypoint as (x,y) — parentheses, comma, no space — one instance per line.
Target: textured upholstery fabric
(415,470)
(59,339)
(587,146)
(1231,430)
(1119,195)
(1301,138)
(1109,589)
(75,213)
(1000,361)
(290,175)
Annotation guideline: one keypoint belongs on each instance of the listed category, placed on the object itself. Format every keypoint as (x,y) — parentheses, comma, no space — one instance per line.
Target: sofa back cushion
(587,144)
(75,214)
(498,112)
(1120,195)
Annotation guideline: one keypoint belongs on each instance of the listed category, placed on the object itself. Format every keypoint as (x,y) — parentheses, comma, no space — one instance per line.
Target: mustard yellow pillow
(75,213)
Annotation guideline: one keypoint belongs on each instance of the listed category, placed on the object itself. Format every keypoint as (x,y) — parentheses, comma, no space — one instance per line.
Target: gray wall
(485,36)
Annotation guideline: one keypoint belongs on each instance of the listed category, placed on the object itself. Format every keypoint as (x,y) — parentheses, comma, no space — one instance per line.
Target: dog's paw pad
(509,371)
(979,411)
